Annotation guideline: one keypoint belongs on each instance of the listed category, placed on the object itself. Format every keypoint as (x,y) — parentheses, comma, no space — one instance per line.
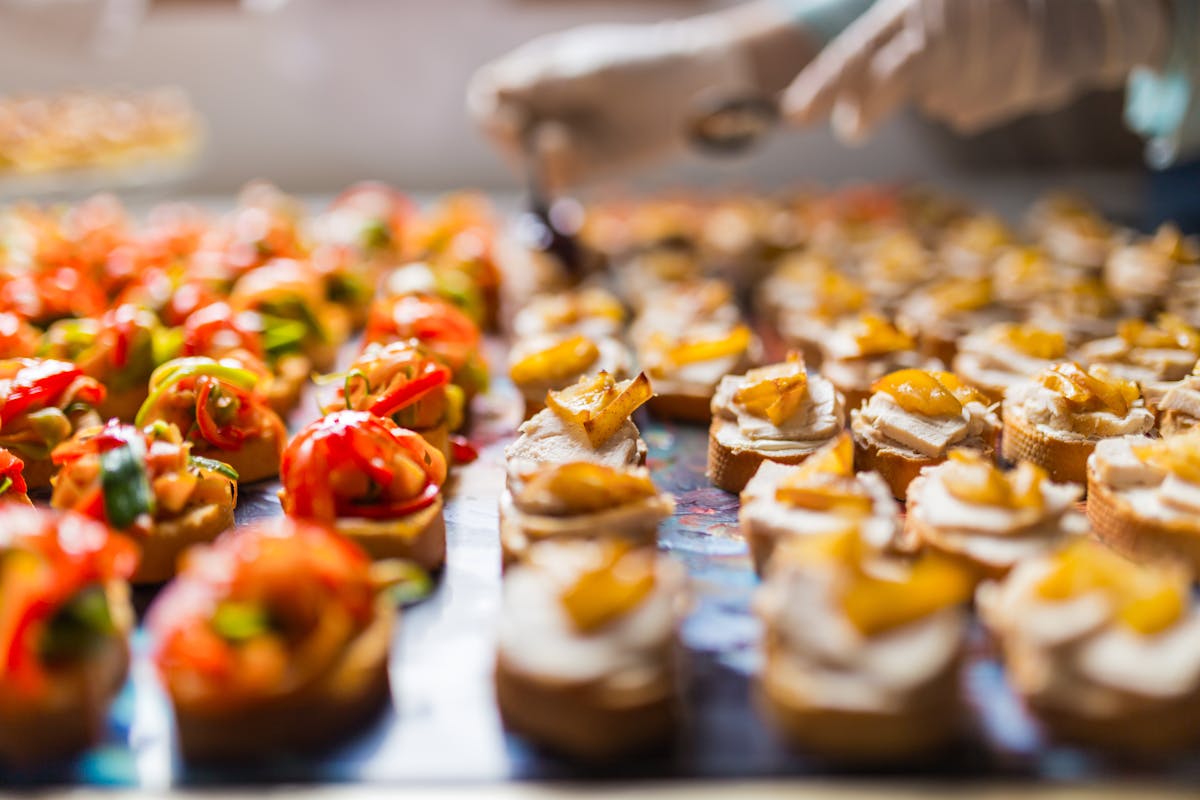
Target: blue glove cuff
(825,19)
(1161,105)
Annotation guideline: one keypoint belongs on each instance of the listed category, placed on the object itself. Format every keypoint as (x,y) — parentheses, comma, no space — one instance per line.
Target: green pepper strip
(127,492)
(212,465)
(171,373)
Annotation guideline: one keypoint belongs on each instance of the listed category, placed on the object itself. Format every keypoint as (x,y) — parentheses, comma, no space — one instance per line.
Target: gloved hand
(973,63)
(599,98)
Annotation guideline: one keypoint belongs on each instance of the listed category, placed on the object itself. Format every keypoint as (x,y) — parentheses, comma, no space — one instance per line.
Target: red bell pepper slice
(409,392)
(38,383)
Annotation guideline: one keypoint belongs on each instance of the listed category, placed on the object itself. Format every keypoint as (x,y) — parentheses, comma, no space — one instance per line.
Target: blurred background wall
(317,93)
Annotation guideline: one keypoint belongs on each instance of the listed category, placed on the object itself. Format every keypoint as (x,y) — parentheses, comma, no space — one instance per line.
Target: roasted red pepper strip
(226,437)
(12,467)
(367,444)
(407,393)
(39,383)
(462,451)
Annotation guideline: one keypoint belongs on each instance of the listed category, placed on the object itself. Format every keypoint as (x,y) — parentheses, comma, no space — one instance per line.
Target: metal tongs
(724,127)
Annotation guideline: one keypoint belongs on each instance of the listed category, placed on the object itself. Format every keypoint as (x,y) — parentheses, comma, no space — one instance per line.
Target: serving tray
(442,725)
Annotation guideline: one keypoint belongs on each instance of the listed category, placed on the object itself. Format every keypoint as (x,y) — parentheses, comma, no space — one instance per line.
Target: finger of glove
(838,70)
(887,85)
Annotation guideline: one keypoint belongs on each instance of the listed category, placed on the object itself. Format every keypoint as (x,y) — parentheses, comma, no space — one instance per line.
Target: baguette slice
(1149,732)
(162,548)
(589,721)
(1064,459)
(1116,523)
(846,736)
(256,460)
(519,531)
(732,468)
(419,537)
(75,714)
(336,703)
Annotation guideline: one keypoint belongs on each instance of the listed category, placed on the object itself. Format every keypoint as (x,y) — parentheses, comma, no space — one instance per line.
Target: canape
(894,263)
(912,421)
(147,484)
(13,488)
(1163,351)
(269,346)
(549,362)
(1022,275)
(1144,496)
(439,327)
(776,413)
(970,245)
(66,618)
(580,500)
(1071,231)
(590,421)
(585,661)
(291,290)
(375,483)
(590,311)
(862,653)
(1081,308)
(1000,356)
(459,234)
(687,365)
(823,494)
(224,416)
(43,403)
(970,510)
(1056,419)
(120,349)
(1104,652)
(820,299)
(1143,272)
(273,640)
(18,339)
(861,350)
(405,383)
(1176,404)
(947,309)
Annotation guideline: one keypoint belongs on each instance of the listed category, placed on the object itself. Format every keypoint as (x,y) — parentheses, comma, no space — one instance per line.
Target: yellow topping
(691,350)
(964,392)
(918,391)
(1032,341)
(620,580)
(961,294)
(1148,599)
(1097,389)
(581,487)
(875,336)
(570,309)
(825,482)
(1170,332)
(775,392)
(878,600)
(599,404)
(1176,455)
(560,361)
(973,479)
(982,234)
(898,256)
(836,294)
(1171,242)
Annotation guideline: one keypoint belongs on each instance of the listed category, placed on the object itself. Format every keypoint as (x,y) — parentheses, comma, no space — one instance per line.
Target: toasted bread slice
(1065,459)
(336,703)
(419,537)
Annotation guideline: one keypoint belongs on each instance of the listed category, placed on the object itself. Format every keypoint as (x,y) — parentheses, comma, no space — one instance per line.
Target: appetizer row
(262,631)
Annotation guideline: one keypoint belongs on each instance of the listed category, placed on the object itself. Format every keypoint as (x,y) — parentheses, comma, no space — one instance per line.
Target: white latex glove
(973,63)
(600,98)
